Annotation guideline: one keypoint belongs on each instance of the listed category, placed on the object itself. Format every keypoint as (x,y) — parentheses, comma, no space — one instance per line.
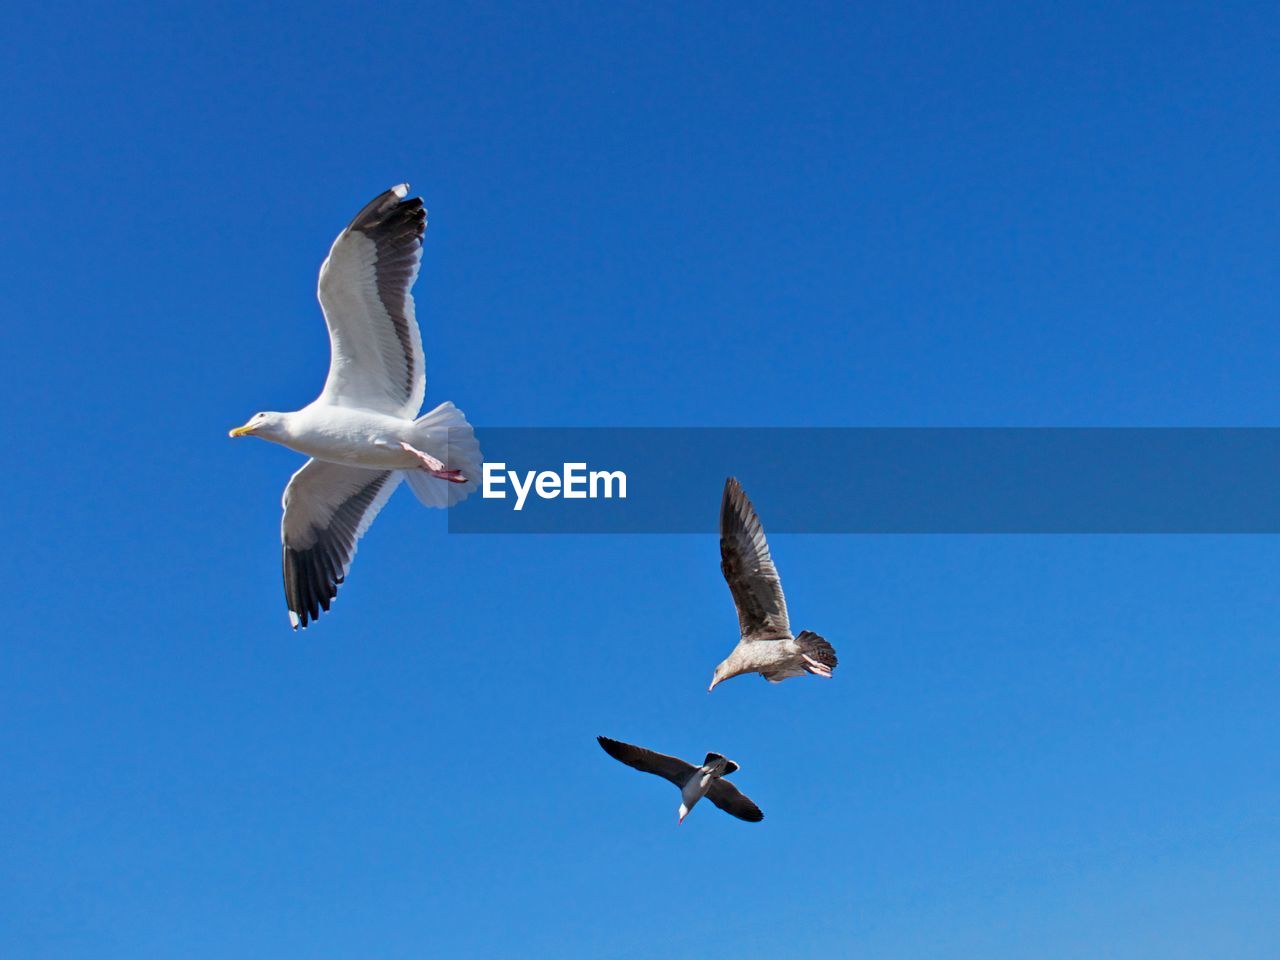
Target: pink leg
(433,466)
(816,668)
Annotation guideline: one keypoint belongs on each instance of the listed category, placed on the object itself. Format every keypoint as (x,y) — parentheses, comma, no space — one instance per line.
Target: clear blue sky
(907,214)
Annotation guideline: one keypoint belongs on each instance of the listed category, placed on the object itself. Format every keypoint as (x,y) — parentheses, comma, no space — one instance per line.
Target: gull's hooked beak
(684,812)
(241,431)
(714,681)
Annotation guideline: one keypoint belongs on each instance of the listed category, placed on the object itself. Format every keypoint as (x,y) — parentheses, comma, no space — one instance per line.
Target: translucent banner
(878,480)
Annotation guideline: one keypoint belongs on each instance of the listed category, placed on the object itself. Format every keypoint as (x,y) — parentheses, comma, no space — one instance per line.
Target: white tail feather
(445,434)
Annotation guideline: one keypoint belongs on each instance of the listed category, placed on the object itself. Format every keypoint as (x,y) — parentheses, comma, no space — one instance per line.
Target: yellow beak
(241,431)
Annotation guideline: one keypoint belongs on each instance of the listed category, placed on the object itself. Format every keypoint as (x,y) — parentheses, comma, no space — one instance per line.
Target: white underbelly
(695,789)
(765,655)
(355,438)
(370,458)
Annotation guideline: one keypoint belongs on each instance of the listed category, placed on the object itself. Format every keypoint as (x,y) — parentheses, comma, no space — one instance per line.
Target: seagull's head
(723,672)
(265,424)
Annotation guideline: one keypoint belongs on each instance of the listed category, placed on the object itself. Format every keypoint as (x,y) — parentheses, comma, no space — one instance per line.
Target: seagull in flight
(767,646)
(695,782)
(363,433)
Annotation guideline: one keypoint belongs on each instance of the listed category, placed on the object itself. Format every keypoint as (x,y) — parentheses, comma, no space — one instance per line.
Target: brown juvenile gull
(767,646)
(363,432)
(695,782)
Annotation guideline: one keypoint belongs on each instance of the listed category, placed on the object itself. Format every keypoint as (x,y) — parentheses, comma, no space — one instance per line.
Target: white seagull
(695,782)
(363,432)
(766,646)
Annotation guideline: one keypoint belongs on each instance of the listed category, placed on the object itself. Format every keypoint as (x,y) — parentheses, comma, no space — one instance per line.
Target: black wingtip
(384,205)
(616,749)
(736,509)
(735,498)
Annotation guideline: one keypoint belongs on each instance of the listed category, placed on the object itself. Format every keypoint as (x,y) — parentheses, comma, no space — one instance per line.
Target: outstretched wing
(669,768)
(749,570)
(733,801)
(376,350)
(327,508)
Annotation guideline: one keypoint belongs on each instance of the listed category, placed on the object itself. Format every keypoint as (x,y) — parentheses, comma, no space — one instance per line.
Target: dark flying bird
(767,646)
(694,782)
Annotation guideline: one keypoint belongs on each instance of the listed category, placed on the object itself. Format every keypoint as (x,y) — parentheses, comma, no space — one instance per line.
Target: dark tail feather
(818,648)
(729,765)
